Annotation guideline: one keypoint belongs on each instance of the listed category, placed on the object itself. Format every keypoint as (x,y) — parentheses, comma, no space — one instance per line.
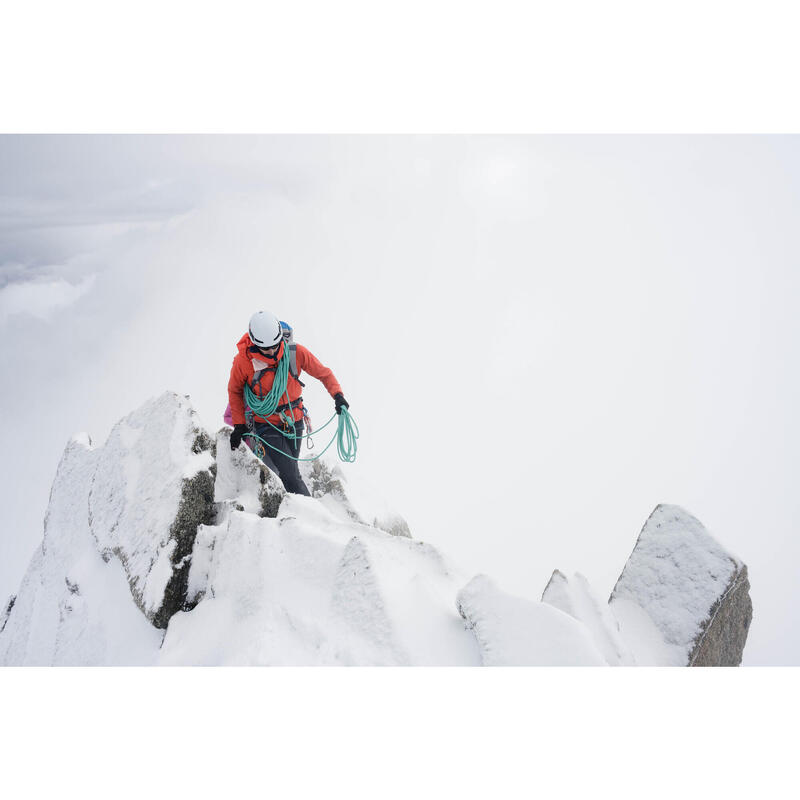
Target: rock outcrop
(244,481)
(693,592)
(152,486)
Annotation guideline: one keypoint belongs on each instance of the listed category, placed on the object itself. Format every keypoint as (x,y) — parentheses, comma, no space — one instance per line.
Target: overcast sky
(541,337)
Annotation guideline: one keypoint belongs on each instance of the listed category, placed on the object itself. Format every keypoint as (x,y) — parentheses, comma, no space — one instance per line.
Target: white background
(641,293)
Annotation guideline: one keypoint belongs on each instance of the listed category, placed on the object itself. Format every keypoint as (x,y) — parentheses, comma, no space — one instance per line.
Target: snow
(675,574)
(197,462)
(512,631)
(137,488)
(333,579)
(74,608)
(363,503)
(307,588)
(159,576)
(575,597)
(238,479)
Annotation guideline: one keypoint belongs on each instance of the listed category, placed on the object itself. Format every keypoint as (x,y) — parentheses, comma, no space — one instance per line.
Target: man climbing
(255,368)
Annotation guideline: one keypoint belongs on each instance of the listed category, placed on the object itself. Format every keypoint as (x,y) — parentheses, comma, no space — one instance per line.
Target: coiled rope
(346,430)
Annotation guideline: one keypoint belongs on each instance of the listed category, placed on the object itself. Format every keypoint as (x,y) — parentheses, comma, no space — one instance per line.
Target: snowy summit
(164,547)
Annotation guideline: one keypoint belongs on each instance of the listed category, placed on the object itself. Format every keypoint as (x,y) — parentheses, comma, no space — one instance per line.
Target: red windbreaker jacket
(246,363)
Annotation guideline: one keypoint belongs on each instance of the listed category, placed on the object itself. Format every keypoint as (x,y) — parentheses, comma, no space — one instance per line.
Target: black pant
(278,460)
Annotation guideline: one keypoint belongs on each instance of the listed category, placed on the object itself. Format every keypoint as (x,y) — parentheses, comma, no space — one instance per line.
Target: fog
(540,338)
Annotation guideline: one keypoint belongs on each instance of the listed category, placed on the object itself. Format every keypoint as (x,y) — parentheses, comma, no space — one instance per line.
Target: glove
(340,402)
(236,436)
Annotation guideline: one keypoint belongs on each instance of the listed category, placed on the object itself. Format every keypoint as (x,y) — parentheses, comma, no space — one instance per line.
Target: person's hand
(340,402)
(236,436)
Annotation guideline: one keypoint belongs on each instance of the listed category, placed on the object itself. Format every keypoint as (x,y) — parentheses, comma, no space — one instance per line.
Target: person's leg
(286,467)
(261,449)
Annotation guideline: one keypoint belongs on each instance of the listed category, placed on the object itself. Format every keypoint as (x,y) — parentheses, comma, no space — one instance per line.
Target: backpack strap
(293,364)
(292,369)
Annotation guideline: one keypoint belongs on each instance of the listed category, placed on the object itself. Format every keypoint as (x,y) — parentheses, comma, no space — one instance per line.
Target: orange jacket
(247,362)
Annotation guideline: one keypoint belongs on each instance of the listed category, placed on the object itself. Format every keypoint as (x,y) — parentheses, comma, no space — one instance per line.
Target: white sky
(540,337)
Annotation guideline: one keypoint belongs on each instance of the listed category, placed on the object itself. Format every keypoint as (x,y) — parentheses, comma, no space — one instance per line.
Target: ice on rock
(512,631)
(680,581)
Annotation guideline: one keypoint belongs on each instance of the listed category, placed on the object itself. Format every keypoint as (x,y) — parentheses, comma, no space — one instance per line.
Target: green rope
(346,432)
(345,437)
(265,406)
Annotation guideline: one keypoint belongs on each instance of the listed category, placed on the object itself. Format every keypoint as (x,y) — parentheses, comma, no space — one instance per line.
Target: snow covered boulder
(152,486)
(575,597)
(244,480)
(681,598)
(512,631)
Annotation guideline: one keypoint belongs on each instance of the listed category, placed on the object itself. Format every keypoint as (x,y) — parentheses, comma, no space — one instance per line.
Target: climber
(261,349)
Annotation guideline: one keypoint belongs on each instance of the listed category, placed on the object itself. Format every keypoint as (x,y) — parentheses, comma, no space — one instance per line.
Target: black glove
(236,436)
(340,402)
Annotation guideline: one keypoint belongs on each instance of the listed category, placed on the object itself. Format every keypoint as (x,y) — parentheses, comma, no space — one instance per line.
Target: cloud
(40,298)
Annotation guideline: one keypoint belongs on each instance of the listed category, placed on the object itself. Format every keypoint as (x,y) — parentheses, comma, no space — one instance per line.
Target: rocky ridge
(164,547)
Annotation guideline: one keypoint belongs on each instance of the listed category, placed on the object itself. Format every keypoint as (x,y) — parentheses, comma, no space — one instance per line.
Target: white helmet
(265,329)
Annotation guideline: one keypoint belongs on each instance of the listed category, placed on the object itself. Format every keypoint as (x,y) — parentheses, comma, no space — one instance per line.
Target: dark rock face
(7,611)
(271,494)
(196,508)
(722,640)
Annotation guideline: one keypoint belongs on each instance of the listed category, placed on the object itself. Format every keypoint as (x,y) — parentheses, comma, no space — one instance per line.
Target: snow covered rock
(308,588)
(328,484)
(74,607)
(244,480)
(681,599)
(575,597)
(162,528)
(512,631)
(152,487)
(118,532)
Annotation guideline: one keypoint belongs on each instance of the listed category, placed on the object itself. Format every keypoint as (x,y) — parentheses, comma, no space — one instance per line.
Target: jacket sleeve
(236,391)
(309,363)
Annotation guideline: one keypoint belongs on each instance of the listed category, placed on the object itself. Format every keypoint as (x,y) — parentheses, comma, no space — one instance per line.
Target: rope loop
(346,437)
